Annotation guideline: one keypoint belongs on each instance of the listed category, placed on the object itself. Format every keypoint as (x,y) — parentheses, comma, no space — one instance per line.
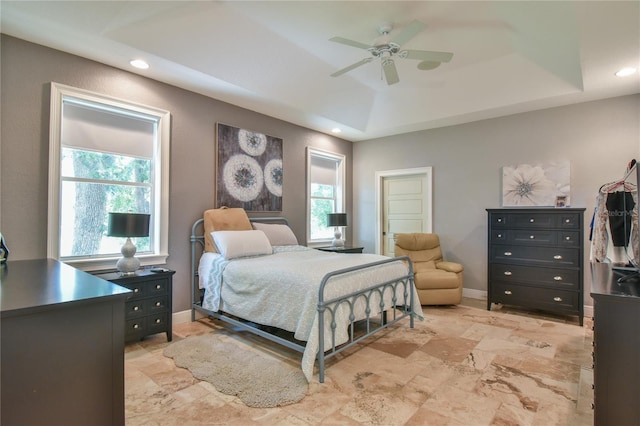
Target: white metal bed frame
(400,309)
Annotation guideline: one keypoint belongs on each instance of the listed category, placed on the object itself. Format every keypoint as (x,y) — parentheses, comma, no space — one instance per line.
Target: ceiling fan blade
(409,32)
(350,42)
(350,67)
(390,72)
(425,55)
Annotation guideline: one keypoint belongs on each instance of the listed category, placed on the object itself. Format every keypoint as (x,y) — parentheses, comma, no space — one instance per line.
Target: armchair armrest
(450,266)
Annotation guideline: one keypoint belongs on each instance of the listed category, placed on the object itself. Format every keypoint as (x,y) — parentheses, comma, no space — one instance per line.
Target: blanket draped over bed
(281,290)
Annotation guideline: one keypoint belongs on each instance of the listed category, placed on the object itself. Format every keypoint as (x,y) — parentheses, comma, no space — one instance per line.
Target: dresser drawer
(537,256)
(568,279)
(532,220)
(525,236)
(536,297)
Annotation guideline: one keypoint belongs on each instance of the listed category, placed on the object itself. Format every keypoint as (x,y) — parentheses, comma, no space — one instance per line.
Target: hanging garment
(614,225)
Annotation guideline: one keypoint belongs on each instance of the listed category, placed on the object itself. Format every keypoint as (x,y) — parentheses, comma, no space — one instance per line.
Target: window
(325,192)
(105,155)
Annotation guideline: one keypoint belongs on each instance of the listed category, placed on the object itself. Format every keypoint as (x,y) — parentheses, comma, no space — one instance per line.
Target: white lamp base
(337,238)
(128,264)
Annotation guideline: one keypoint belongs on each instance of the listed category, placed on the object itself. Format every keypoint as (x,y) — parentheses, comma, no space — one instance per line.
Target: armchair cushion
(450,266)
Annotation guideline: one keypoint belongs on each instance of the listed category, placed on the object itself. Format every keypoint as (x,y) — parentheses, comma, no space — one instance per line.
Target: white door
(406,207)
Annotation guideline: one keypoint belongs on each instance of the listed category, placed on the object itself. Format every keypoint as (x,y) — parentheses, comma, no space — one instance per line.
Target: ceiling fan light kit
(386,48)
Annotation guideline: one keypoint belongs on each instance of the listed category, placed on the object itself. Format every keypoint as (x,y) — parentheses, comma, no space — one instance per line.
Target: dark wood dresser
(62,346)
(616,354)
(536,259)
(148,310)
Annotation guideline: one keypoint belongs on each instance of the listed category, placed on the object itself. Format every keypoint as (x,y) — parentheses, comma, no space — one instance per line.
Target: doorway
(403,205)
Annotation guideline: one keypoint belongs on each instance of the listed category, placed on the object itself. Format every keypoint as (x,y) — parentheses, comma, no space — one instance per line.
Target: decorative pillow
(278,234)
(223,219)
(233,244)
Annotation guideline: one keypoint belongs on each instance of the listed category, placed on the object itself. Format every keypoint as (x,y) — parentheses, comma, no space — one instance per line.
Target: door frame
(380,176)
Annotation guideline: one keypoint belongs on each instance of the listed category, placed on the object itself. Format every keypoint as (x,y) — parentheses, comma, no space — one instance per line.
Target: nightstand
(342,249)
(148,309)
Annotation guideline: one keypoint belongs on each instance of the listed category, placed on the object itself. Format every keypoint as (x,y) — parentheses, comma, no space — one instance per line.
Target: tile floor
(463,365)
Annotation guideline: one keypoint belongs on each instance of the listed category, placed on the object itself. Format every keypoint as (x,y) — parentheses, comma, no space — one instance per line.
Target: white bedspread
(281,290)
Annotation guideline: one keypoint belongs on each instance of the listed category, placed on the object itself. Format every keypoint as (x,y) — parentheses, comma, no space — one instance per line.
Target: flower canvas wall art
(539,185)
(249,170)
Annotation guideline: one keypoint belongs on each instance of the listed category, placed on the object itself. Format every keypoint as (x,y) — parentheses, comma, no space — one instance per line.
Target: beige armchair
(438,282)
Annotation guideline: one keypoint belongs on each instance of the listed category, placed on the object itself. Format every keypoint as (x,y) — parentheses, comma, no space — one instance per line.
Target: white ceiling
(275,57)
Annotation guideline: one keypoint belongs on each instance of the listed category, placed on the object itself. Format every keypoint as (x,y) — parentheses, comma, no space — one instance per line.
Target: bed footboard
(402,303)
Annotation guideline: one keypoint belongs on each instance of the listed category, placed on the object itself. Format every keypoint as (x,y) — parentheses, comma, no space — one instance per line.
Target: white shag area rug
(259,380)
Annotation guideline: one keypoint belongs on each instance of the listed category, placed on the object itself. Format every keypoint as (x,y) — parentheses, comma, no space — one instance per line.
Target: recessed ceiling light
(626,71)
(139,63)
(336,130)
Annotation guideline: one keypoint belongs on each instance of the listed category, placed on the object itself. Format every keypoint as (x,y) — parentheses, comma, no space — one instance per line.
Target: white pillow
(233,244)
(278,234)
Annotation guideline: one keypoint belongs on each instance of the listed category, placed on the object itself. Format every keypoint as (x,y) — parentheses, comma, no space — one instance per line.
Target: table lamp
(338,220)
(128,225)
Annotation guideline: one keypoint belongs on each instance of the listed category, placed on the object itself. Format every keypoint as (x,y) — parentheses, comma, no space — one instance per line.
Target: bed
(260,280)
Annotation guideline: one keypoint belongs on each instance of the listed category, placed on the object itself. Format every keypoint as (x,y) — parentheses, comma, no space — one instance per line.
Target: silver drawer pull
(158,286)
(557,299)
(531,220)
(567,238)
(557,278)
(136,326)
(557,257)
(136,308)
(507,273)
(508,292)
(157,320)
(499,235)
(532,236)
(158,303)
(567,221)
(507,253)
(135,290)
(499,220)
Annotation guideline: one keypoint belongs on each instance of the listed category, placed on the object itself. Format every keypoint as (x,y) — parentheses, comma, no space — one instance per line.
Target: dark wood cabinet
(62,346)
(616,344)
(536,259)
(342,249)
(148,310)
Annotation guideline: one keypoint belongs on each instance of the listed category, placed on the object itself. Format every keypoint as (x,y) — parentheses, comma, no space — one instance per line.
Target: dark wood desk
(616,355)
(62,346)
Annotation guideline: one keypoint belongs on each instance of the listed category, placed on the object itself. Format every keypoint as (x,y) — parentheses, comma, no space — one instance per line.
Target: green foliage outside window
(94,184)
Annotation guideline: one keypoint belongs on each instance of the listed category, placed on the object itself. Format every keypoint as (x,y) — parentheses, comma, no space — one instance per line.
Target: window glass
(105,156)
(325,192)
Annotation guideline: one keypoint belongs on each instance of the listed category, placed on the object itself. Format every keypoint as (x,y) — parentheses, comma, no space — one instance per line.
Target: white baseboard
(185,316)
(474,294)
(482,295)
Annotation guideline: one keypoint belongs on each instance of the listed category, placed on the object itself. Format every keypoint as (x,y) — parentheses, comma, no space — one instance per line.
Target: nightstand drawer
(141,307)
(139,327)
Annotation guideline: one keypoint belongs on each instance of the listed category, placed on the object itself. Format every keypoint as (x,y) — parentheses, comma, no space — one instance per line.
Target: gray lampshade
(336,219)
(128,225)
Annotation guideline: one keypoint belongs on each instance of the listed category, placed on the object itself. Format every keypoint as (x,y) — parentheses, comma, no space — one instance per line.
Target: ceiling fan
(386,48)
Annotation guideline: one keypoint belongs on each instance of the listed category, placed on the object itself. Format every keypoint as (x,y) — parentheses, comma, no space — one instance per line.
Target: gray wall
(26,71)
(598,138)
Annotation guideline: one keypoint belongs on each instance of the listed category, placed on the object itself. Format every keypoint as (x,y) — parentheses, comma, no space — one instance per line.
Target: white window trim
(161,207)
(340,196)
